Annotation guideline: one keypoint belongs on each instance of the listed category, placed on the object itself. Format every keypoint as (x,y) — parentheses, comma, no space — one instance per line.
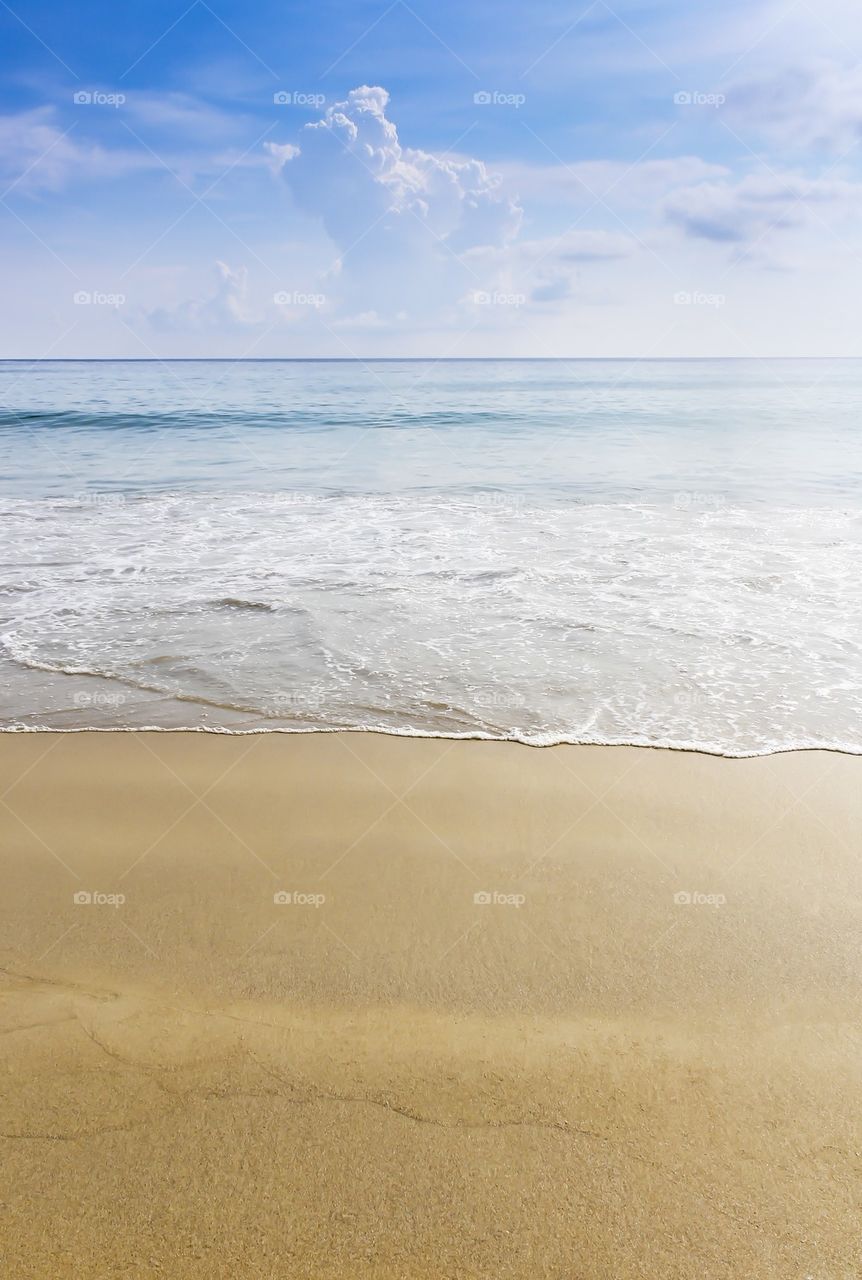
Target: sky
(652,178)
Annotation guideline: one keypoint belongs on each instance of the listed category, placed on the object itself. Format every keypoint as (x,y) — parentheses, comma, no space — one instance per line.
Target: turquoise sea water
(662,552)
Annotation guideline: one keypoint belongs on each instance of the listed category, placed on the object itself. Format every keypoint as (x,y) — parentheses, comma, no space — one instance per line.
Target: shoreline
(359,1007)
(698,749)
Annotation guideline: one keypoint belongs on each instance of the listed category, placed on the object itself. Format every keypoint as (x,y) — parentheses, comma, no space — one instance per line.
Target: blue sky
(462,179)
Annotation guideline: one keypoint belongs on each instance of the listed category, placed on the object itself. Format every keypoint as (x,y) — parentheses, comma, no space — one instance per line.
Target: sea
(663,553)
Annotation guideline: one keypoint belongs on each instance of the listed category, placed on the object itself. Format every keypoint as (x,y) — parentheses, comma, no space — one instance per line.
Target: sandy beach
(345,1005)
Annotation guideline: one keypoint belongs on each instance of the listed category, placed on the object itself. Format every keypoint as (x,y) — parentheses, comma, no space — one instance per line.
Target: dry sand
(583,1078)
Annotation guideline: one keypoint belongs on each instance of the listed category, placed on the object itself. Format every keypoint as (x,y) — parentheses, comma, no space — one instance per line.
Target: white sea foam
(698,626)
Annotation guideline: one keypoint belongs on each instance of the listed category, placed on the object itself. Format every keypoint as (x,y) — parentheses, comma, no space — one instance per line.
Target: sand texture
(379,1076)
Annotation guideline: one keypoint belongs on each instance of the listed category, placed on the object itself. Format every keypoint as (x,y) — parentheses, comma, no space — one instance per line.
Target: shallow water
(659,552)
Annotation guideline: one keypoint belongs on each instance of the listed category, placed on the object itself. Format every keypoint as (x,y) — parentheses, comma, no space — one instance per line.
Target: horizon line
(34,360)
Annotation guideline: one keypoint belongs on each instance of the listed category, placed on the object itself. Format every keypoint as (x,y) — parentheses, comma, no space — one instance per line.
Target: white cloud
(279,153)
(227,308)
(757,206)
(546,270)
(37,155)
(583,246)
(816,105)
(401,218)
(185,116)
(354,152)
(365,320)
(618,182)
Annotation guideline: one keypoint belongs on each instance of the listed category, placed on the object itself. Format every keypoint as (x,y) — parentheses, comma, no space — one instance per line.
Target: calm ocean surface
(657,552)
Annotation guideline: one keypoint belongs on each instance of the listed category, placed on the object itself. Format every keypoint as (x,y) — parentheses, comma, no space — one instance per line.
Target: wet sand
(286,1038)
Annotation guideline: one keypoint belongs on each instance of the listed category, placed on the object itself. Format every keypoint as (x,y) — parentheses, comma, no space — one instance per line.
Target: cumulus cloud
(401,219)
(354,152)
